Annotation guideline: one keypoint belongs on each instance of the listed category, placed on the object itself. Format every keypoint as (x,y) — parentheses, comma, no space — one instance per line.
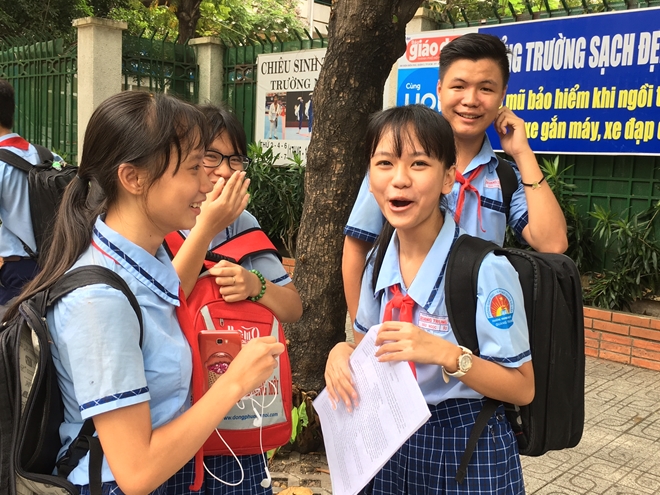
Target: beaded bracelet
(263,286)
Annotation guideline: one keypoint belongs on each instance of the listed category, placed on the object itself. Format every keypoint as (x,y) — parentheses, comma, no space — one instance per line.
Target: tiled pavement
(619,453)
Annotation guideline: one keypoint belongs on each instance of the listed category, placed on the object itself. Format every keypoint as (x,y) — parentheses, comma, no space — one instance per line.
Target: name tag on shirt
(493,184)
(432,323)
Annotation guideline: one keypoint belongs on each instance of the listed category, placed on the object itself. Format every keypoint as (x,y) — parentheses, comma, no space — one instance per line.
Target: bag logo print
(499,309)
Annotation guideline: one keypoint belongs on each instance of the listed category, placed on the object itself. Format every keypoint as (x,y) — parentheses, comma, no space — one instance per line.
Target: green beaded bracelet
(263,286)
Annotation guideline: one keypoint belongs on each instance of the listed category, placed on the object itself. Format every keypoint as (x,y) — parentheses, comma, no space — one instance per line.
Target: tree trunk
(188,13)
(365,38)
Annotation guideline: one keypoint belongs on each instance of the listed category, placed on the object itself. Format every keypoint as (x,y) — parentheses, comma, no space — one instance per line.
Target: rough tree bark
(365,37)
(188,13)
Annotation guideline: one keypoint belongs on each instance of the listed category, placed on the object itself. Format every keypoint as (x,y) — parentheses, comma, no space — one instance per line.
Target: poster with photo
(285,107)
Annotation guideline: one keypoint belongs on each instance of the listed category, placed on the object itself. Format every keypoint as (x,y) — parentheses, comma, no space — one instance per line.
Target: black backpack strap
(45,155)
(90,275)
(508,183)
(490,406)
(86,441)
(461,281)
(16,161)
(20,163)
(462,276)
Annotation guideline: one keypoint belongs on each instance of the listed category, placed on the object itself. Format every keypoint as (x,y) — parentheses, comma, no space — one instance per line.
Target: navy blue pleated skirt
(226,468)
(428,461)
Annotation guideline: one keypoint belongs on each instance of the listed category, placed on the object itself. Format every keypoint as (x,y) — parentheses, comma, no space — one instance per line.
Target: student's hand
(401,341)
(511,130)
(254,363)
(338,377)
(224,203)
(236,283)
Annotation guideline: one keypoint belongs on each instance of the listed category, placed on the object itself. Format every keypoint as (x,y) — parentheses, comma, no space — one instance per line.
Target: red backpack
(207,319)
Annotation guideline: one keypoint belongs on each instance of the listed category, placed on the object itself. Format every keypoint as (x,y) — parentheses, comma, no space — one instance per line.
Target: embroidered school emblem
(499,309)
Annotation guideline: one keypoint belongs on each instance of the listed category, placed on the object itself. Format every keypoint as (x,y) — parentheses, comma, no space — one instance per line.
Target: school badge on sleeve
(499,309)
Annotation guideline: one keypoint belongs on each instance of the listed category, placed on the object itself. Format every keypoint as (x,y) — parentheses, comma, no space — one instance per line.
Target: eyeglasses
(238,163)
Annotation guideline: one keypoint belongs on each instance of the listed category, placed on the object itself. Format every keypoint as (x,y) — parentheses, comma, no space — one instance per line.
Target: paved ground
(619,453)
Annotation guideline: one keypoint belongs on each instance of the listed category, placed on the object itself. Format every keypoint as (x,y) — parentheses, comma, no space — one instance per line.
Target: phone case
(218,348)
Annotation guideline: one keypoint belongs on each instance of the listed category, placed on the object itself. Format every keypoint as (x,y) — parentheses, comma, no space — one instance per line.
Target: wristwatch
(463,364)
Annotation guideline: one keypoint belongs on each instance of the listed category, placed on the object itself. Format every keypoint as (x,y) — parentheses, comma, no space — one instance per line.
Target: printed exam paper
(391,408)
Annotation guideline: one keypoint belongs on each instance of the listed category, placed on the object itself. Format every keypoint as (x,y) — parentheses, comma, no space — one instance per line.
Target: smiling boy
(474,73)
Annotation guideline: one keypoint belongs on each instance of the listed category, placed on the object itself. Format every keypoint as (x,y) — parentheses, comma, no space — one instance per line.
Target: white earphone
(258,423)
(265,483)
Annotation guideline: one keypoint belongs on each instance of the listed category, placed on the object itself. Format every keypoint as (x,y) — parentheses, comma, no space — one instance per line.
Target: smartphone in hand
(218,348)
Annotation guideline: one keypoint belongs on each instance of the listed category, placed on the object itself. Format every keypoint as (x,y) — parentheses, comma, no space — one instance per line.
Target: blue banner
(583,85)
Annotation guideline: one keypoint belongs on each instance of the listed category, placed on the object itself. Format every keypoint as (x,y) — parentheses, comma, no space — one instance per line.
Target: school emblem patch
(499,309)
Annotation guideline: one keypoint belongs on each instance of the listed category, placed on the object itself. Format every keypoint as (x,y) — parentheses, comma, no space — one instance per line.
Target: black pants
(14,275)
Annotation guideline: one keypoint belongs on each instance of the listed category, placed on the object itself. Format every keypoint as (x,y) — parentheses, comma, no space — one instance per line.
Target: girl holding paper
(411,156)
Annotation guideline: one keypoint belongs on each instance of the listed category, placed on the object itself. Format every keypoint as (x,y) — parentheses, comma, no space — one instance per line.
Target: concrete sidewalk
(619,453)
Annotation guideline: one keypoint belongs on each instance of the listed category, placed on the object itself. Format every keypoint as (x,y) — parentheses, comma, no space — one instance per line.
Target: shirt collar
(425,289)
(155,272)
(486,156)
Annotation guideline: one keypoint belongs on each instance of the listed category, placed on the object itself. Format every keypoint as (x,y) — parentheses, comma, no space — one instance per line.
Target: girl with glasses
(223,217)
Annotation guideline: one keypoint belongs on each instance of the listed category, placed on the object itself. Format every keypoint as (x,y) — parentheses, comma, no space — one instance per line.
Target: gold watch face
(465,362)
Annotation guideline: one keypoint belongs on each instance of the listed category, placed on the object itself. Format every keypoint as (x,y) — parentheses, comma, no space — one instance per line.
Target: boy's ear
(504,95)
(450,178)
(131,179)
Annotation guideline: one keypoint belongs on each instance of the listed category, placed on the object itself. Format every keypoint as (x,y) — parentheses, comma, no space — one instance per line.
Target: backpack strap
(461,280)
(86,441)
(508,183)
(489,407)
(45,155)
(11,158)
(247,243)
(16,161)
(90,275)
(462,276)
(236,249)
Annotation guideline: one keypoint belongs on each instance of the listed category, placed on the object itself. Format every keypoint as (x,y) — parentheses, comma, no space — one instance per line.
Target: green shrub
(276,195)
(636,259)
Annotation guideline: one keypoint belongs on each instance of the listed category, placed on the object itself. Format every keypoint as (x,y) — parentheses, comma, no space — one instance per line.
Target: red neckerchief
(405,305)
(467,186)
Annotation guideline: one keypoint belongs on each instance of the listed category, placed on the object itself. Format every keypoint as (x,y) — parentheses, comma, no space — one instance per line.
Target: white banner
(285,109)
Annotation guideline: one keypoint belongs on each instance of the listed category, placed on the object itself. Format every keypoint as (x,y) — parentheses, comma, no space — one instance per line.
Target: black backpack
(46,184)
(508,183)
(551,287)
(32,408)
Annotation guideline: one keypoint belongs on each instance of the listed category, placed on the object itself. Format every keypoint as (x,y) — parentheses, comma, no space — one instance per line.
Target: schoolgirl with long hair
(411,156)
(223,217)
(140,177)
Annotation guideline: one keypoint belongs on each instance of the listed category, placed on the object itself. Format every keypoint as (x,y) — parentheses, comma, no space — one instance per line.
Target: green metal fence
(44,77)
(160,66)
(240,73)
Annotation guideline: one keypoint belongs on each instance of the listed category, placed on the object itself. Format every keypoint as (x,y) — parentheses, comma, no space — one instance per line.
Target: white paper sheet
(391,408)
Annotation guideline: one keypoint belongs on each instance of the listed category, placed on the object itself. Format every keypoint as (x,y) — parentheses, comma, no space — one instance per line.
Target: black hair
(476,46)
(433,133)
(146,130)
(7,104)
(220,120)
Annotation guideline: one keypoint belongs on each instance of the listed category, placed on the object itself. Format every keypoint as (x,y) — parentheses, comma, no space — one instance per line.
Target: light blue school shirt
(267,264)
(500,318)
(15,204)
(366,219)
(100,365)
